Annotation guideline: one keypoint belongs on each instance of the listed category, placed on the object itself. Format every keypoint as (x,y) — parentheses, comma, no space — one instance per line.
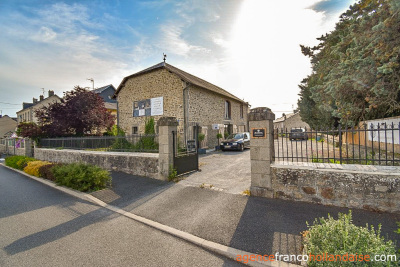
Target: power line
(9,103)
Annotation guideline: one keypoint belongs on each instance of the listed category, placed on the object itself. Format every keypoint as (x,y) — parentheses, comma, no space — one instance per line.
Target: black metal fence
(374,144)
(132,143)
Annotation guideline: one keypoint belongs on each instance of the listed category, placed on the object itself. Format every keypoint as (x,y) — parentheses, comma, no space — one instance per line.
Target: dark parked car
(237,141)
(298,133)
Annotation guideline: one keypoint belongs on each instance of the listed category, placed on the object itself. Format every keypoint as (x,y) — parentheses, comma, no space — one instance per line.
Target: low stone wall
(142,164)
(375,188)
(10,150)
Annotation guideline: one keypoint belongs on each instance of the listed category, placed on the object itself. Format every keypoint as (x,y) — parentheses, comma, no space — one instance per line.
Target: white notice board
(157,106)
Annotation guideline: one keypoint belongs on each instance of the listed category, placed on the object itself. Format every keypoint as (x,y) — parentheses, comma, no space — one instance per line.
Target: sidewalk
(257,225)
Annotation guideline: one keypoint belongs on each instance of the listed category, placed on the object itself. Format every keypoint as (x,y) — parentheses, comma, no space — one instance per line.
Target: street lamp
(91,79)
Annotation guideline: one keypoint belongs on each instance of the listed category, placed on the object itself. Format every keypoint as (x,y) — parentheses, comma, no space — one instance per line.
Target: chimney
(41,97)
(51,93)
(34,101)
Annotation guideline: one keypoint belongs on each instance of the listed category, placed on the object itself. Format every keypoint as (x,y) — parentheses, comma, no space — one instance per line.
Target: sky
(250,48)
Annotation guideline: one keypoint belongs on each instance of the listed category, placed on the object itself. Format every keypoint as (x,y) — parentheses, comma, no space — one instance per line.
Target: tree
(29,129)
(356,67)
(81,112)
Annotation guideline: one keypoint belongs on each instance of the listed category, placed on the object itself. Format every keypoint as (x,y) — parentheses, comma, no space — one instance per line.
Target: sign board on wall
(258,133)
(148,107)
(215,126)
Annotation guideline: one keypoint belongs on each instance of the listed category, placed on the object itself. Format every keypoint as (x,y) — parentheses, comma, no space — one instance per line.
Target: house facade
(289,121)
(164,90)
(27,114)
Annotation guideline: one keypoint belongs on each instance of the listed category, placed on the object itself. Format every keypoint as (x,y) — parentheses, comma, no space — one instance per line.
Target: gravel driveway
(227,171)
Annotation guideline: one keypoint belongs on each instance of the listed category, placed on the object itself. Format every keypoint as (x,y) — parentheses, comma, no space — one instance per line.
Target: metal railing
(364,144)
(131,143)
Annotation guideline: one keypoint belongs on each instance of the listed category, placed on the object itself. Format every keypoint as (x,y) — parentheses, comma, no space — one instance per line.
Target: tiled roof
(101,89)
(187,77)
(283,118)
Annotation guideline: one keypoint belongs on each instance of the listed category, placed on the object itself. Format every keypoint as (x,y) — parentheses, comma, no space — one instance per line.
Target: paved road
(41,226)
(253,224)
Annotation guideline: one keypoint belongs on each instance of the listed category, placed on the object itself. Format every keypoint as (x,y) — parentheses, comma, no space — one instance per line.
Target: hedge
(18,162)
(78,176)
(81,176)
(33,167)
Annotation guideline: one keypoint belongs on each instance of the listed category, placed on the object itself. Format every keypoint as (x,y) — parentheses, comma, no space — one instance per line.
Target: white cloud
(172,41)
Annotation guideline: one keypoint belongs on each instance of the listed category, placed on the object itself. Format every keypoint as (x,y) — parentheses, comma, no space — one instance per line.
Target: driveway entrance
(227,171)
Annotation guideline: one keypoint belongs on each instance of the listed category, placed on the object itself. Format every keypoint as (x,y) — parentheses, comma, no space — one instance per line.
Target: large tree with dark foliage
(80,112)
(355,68)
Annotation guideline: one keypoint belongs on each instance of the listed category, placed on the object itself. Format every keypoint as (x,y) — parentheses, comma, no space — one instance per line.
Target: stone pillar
(28,147)
(261,151)
(166,125)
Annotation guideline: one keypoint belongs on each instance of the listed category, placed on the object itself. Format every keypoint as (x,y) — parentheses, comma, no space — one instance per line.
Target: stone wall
(377,190)
(208,108)
(7,146)
(149,85)
(142,164)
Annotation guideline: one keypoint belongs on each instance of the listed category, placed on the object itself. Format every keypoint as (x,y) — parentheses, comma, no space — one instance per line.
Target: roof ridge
(184,76)
(204,81)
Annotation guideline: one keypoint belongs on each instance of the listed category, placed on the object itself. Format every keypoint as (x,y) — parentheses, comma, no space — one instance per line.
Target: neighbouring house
(7,126)
(289,121)
(164,90)
(106,93)
(27,114)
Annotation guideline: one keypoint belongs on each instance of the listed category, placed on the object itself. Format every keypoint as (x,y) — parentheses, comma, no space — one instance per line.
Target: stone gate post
(166,125)
(261,151)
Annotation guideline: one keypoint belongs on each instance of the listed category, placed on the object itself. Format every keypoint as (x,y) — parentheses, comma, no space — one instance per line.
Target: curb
(223,250)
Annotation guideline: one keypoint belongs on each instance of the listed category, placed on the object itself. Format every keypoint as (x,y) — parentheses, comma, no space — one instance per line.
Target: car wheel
(241,147)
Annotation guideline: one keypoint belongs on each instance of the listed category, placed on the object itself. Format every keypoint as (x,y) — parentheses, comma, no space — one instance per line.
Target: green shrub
(32,167)
(121,144)
(46,171)
(146,143)
(18,162)
(81,177)
(340,237)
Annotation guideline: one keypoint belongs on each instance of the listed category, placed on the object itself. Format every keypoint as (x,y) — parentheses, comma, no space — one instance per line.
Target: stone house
(7,126)
(289,121)
(27,114)
(164,90)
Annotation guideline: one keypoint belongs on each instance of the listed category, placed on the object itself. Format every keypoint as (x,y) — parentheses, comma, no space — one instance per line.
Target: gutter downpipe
(185,110)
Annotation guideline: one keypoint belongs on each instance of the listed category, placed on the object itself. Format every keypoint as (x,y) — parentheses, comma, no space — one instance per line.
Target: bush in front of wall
(33,167)
(46,171)
(81,177)
(18,162)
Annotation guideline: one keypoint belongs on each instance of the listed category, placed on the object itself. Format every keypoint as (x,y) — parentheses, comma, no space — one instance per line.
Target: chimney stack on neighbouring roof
(41,97)
(34,100)
(51,93)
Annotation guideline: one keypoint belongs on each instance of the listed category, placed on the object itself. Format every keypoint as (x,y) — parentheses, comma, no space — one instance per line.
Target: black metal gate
(186,158)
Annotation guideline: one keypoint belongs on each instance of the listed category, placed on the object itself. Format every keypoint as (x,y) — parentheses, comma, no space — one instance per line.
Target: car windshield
(235,136)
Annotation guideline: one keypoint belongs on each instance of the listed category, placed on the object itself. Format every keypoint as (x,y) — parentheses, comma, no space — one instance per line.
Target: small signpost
(258,133)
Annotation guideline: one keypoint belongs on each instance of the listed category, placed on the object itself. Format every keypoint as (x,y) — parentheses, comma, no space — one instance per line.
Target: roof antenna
(164,57)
